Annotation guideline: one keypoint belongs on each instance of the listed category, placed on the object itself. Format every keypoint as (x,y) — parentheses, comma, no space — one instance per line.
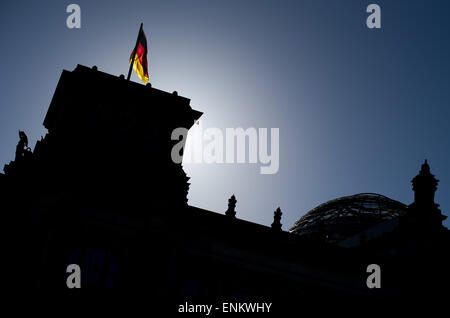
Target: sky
(358,109)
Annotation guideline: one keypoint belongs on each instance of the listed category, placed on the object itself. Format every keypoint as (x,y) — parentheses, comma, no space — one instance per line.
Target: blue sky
(358,110)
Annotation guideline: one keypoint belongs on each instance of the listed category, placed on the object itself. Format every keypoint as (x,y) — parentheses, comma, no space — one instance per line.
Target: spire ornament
(231,212)
(276,225)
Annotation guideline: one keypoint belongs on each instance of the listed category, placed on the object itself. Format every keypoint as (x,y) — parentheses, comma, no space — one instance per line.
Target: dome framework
(343,217)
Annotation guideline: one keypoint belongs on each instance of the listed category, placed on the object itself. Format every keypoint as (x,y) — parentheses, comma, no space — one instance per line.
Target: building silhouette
(100,190)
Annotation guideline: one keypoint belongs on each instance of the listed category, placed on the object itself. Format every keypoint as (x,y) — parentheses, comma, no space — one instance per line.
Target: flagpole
(134,55)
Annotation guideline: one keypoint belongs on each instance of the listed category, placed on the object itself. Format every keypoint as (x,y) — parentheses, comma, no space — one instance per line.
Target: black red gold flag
(140,63)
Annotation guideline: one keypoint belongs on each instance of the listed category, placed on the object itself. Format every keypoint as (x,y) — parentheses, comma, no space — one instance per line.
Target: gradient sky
(358,109)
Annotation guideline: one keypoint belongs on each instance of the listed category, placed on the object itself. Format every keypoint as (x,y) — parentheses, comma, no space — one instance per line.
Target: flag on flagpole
(139,57)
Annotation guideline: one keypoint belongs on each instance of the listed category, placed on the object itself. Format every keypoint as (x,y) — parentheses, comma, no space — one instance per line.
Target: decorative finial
(425,169)
(231,207)
(276,225)
(424,186)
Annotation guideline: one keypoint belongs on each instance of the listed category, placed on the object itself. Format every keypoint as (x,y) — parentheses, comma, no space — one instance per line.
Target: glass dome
(343,217)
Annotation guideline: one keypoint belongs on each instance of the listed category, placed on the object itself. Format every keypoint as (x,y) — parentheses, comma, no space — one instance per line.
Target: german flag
(139,53)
